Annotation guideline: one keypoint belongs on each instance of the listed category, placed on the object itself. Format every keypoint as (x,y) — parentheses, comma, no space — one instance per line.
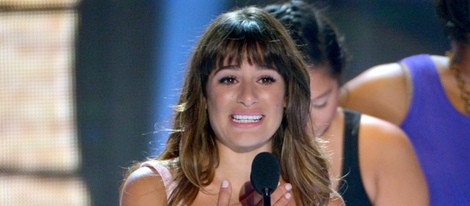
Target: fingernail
(288,196)
(288,186)
(224,184)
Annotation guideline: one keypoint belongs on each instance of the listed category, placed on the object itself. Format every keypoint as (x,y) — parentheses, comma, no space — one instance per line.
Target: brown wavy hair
(245,34)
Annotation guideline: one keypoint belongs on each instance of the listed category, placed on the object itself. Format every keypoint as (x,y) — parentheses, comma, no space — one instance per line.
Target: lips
(238,118)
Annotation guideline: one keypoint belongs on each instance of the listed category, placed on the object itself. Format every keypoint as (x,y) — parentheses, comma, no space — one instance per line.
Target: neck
(461,65)
(462,58)
(234,167)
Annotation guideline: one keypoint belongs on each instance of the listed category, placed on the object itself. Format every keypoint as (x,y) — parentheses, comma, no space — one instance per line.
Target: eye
(267,80)
(228,80)
(319,104)
(321,101)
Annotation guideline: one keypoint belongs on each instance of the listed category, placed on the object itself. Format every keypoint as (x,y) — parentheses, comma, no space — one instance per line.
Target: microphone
(264,177)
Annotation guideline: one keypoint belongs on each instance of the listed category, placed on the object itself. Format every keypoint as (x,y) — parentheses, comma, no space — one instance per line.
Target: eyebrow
(324,94)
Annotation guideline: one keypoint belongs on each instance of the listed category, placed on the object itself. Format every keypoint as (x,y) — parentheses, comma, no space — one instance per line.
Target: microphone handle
(266,197)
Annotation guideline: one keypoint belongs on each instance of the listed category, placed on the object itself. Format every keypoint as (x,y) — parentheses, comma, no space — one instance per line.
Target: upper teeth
(247,118)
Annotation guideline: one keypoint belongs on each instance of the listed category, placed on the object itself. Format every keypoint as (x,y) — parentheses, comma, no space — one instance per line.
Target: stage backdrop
(40,158)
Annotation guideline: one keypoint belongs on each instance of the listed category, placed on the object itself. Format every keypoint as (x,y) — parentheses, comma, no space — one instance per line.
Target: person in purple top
(428,96)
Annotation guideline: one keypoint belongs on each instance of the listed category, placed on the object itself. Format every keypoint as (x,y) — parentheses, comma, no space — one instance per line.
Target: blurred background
(86,86)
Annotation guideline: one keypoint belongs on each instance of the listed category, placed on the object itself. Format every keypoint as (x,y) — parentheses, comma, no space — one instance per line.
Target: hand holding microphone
(265,173)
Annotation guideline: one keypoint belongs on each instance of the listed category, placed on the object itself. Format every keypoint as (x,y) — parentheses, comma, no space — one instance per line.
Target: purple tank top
(440,135)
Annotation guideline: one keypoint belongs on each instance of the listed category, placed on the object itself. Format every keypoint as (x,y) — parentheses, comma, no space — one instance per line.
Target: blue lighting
(181,26)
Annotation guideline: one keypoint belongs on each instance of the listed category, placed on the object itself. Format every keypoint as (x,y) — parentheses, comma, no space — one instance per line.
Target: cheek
(279,99)
(321,116)
(216,101)
(216,95)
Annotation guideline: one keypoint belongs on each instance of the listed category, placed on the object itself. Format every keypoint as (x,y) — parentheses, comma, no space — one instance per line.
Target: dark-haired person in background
(373,162)
(246,91)
(428,96)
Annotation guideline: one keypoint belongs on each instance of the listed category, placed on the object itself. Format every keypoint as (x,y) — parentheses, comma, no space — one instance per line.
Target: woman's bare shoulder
(381,140)
(144,186)
(389,157)
(383,71)
(381,130)
(441,62)
(380,91)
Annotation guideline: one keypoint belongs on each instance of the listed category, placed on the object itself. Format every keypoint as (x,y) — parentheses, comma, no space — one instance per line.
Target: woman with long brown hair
(246,91)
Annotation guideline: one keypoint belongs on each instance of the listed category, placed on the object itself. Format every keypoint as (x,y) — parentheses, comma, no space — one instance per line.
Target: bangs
(237,50)
(247,41)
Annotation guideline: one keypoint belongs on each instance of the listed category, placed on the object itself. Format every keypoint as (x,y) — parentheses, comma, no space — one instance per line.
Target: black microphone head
(265,172)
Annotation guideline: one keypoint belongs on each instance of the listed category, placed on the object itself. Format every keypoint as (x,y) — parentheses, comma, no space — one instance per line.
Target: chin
(243,148)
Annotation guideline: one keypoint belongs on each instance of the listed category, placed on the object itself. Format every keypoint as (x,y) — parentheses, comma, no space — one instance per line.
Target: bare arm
(143,188)
(382,91)
(390,158)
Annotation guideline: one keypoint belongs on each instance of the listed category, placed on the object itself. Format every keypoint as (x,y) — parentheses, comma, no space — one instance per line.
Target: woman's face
(324,91)
(245,105)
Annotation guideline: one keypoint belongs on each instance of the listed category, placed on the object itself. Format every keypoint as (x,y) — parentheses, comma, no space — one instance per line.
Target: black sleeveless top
(350,187)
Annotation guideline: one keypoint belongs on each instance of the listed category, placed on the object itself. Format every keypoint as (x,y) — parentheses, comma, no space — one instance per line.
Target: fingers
(224,194)
(249,196)
(282,195)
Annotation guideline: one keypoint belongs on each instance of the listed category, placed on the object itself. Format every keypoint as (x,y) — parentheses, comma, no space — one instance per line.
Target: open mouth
(246,118)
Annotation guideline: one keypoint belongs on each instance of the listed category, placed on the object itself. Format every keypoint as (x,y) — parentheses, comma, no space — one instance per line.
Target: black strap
(351,187)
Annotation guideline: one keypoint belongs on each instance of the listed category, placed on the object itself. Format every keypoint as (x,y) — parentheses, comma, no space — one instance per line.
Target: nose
(248,95)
